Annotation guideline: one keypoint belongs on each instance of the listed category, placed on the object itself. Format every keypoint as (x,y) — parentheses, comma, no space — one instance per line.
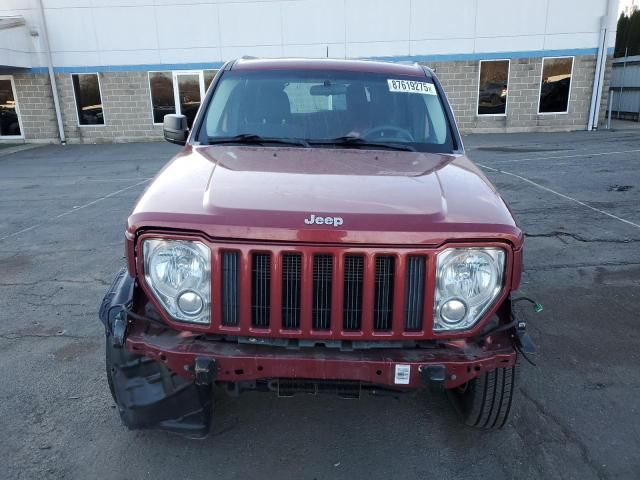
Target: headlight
(468,281)
(178,272)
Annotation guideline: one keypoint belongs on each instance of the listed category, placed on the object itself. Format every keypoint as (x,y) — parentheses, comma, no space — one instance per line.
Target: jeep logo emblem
(318,220)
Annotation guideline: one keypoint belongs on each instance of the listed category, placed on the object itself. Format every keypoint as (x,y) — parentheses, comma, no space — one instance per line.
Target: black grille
(230,288)
(260,289)
(414,296)
(352,308)
(383,304)
(322,275)
(291,283)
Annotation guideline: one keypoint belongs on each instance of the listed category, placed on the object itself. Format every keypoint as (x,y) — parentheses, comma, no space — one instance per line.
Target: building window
(492,89)
(178,92)
(86,87)
(555,85)
(9,114)
(208,78)
(162,96)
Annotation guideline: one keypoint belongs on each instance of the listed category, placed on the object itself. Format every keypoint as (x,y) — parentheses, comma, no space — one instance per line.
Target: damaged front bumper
(196,357)
(205,360)
(161,378)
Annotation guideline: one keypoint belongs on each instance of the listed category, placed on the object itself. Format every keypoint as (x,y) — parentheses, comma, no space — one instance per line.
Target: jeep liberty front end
(320,231)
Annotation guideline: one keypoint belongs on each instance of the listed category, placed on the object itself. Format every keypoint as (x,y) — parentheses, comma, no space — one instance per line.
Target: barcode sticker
(403,374)
(411,86)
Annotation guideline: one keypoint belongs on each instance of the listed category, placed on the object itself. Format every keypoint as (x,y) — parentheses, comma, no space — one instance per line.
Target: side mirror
(175,129)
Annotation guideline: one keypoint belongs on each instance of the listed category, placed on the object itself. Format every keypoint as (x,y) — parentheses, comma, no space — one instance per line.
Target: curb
(19,148)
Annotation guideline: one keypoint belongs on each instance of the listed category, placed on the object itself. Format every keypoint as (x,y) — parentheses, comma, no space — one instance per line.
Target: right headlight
(178,272)
(468,281)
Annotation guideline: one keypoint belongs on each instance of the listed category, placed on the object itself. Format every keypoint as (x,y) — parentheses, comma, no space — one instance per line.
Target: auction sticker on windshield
(411,86)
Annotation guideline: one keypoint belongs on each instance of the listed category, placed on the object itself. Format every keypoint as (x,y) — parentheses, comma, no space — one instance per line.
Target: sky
(627,3)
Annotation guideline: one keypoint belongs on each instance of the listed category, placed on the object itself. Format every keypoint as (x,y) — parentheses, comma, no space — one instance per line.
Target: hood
(370,196)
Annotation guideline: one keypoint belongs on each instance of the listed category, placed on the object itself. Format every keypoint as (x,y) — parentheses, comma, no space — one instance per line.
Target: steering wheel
(387,132)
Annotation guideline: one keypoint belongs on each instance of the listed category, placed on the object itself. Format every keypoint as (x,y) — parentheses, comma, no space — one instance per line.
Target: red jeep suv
(321,231)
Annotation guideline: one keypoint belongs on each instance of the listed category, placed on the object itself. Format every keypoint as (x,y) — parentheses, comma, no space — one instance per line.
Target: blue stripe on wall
(402,58)
(490,55)
(130,68)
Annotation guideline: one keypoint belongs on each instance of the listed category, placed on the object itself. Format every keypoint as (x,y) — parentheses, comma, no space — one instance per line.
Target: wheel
(485,401)
(149,395)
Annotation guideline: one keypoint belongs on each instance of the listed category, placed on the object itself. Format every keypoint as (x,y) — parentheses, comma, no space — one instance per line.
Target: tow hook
(434,376)
(204,371)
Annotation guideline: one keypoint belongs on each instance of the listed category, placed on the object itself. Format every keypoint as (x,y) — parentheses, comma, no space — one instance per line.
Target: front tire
(485,402)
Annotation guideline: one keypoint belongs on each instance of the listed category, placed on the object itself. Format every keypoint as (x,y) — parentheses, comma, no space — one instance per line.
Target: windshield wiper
(355,141)
(253,139)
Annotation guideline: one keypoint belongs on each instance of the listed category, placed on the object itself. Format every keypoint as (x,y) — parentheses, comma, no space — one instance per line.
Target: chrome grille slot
(414,293)
(291,287)
(353,279)
(230,288)
(322,283)
(260,289)
(383,301)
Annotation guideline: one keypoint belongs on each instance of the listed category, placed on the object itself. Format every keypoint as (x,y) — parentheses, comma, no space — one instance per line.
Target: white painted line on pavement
(597,154)
(567,197)
(75,209)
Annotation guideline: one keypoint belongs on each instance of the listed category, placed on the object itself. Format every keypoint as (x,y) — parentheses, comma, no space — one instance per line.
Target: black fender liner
(148,394)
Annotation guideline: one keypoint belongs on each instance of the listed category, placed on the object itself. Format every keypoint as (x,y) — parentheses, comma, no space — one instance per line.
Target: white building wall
(118,33)
(15,45)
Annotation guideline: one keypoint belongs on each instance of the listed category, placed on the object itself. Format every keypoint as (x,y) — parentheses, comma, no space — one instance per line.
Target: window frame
(506,103)
(573,61)
(176,98)
(15,98)
(149,72)
(75,99)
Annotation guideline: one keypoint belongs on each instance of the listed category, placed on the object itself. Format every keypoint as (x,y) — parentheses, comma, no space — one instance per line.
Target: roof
(370,66)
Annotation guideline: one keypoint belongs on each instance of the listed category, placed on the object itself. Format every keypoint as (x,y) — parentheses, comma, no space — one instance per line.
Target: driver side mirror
(175,129)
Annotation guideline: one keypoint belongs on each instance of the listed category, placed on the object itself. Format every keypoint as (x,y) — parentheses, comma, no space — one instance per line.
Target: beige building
(119,65)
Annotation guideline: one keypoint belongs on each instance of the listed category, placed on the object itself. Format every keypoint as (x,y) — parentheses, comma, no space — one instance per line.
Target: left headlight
(468,281)
(178,272)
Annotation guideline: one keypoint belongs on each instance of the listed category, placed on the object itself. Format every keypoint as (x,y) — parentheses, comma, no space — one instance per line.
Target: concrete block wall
(604,102)
(460,80)
(126,107)
(127,104)
(35,102)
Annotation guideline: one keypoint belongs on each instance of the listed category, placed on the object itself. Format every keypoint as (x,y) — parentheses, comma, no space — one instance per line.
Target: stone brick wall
(604,102)
(127,104)
(125,100)
(460,81)
(35,102)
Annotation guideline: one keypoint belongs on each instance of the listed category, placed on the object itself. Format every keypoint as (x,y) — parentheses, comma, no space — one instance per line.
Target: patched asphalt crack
(18,336)
(580,238)
(569,435)
(543,268)
(55,280)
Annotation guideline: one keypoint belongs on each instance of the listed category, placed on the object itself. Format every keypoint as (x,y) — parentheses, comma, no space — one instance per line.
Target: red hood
(383,197)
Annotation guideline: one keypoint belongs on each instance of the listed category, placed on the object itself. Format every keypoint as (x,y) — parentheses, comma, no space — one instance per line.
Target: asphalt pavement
(576,416)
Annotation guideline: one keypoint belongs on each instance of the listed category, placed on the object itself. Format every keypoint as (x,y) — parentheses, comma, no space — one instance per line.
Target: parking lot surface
(576,195)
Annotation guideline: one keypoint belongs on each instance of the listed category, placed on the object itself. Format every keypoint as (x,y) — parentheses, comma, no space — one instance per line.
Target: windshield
(327,108)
